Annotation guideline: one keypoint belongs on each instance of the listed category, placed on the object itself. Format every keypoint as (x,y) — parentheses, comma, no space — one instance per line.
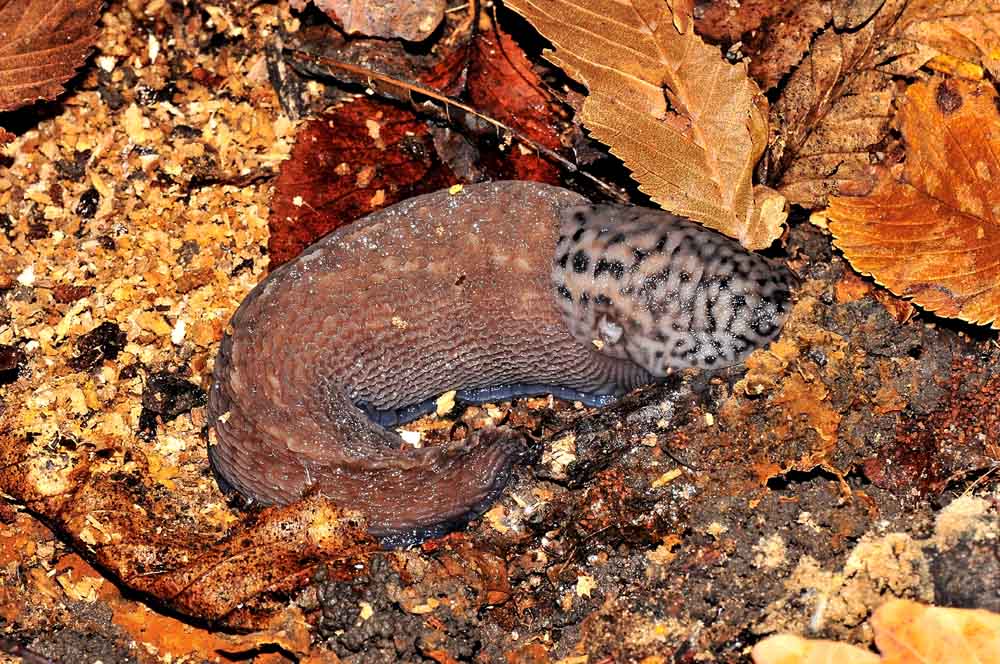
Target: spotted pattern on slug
(662,291)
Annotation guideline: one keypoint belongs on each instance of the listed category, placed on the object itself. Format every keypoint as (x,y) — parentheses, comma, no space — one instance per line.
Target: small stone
(67,293)
(90,201)
(12,362)
(169,395)
(104,342)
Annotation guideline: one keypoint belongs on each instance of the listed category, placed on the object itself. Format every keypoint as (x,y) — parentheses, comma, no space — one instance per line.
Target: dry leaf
(932,232)
(365,156)
(503,85)
(833,113)
(681,11)
(966,29)
(784,39)
(722,21)
(42,42)
(288,630)
(774,35)
(906,632)
(849,14)
(685,122)
(413,21)
(791,649)
(832,109)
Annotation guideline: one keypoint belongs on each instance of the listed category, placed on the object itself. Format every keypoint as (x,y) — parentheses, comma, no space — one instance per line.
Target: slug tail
(490,456)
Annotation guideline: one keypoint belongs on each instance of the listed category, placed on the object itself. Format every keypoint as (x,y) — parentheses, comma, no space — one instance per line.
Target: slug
(504,289)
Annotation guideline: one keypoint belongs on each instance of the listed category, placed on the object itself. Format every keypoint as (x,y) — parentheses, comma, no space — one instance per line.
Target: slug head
(666,293)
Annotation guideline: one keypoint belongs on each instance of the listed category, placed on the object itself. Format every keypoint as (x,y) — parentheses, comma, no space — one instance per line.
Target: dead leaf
(153,544)
(901,310)
(783,39)
(369,154)
(502,85)
(832,118)
(774,35)
(413,21)
(966,29)
(260,558)
(832,109)
(791,649)
(849,14)
(78,580)
(770,213)
(906,632)
(287,630)
(585,585)
(682,11)
(365,156)
(930,233)
(689,125)
(725,21)
(166,633)
(42,42)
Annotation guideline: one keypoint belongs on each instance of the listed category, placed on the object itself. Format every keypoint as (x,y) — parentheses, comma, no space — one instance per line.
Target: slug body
(504,289)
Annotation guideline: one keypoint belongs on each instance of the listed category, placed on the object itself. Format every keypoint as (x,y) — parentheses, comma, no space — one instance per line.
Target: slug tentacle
(461,292)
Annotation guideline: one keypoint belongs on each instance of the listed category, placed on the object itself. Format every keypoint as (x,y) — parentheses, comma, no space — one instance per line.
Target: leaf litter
(857,422)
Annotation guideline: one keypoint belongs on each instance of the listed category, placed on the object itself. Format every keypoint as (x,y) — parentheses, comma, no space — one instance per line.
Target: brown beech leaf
(153,543)
(849,14)
(965,29)
(682,13)
(907,632)
(833,108)
(932,232)
(42,42)
(413,21)
(783,39)
(832,117)
(722,21)
(685,122)
(774,35)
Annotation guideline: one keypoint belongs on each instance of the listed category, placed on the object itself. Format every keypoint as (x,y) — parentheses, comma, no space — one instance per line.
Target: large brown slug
(503,289)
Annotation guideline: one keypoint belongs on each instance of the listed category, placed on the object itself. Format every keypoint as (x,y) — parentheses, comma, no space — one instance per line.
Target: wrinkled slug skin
(436,293)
